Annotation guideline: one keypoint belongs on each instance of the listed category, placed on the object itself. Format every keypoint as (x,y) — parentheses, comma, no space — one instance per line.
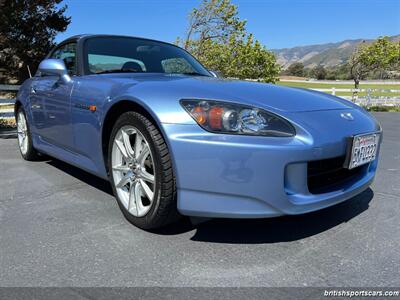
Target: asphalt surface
(60,226)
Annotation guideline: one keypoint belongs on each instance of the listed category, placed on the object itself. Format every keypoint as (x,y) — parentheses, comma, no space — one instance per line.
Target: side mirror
(215,74)
(55,67)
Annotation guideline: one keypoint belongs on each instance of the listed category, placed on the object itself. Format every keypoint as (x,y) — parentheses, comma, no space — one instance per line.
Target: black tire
(164,206)
(31,153)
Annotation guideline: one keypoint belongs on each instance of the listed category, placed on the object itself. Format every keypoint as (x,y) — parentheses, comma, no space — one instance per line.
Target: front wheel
(28,152)
(141,172)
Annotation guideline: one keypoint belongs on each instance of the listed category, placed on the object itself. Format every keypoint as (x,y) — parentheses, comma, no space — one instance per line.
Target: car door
(51,101)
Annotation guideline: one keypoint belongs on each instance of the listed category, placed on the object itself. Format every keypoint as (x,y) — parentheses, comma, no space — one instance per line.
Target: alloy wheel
(133,170)
(22,131)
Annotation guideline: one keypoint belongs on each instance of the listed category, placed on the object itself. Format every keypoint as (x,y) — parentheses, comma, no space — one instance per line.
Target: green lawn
(319,85)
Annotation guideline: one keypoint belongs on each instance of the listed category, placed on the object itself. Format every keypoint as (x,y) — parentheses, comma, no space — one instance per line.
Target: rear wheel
(141,172)
(26,148)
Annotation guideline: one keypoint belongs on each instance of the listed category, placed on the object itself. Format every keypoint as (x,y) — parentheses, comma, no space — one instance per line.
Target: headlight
(224,117)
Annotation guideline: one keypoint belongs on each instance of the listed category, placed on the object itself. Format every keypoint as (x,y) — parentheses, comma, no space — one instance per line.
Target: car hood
(268,96)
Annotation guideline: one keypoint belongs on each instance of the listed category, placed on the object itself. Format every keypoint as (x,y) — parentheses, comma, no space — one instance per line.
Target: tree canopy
(319,72)
(217,38)
(382,54)
(27,32)
(296,69)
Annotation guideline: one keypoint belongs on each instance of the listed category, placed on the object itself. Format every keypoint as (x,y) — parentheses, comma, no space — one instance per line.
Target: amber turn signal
(215,117)
(199,114)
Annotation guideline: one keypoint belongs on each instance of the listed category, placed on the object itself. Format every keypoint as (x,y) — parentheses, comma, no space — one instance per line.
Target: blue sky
(276,23)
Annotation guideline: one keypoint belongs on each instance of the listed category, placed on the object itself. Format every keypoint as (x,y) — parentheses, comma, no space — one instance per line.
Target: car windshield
(122,55)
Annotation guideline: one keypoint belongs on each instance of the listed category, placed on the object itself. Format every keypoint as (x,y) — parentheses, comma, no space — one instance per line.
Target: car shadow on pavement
(81,175)
(274,230)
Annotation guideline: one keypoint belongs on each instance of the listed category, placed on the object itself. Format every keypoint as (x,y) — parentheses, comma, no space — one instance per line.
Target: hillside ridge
(327,55)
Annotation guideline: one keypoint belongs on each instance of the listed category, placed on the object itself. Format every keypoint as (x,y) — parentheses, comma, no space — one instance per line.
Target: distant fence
(7,113)
(386,97)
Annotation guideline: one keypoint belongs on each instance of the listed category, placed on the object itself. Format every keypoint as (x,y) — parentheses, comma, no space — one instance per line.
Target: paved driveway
(60,226)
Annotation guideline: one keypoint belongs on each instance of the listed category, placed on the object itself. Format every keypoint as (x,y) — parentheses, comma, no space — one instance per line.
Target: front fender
(22,99)
(161,104)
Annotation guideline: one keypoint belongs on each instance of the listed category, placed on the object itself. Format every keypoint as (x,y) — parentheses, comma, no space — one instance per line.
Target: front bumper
(232,176)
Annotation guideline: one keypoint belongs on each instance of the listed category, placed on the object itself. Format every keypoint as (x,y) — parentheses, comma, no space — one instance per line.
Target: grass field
(320,85)
(362,94)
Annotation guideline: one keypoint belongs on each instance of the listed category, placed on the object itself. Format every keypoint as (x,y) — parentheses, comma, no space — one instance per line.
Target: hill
(328,55)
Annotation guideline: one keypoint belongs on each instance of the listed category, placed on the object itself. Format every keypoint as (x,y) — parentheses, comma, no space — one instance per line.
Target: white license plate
(363,149)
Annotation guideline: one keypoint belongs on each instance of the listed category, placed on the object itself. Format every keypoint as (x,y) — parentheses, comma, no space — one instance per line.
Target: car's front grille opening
(328,175)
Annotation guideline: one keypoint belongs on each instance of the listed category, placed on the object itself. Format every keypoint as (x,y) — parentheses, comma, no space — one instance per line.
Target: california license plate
(363,149)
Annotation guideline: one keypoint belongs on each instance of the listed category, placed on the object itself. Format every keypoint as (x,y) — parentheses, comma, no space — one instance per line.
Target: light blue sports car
(173,139)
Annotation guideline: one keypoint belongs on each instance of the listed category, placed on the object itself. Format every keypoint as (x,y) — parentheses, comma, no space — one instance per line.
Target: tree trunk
(356,85)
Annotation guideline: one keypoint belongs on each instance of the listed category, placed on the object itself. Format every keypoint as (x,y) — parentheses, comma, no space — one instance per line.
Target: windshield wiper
(131,71)
(118,71)
(190,73)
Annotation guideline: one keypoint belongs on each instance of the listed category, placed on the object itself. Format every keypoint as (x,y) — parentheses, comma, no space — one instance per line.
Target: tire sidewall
(29,151)
(133,119)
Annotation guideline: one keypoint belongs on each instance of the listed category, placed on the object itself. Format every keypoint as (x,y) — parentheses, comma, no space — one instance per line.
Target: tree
(343,72)
(250,60)
(382,54)
(296,69)
(214,20)
(358,68)
(319,72)
(27,32)
(217,38)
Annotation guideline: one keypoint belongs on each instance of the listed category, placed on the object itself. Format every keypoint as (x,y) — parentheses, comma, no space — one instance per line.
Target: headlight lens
(224,117)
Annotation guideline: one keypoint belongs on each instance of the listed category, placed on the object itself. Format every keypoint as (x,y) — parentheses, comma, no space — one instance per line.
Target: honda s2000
(173,139)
